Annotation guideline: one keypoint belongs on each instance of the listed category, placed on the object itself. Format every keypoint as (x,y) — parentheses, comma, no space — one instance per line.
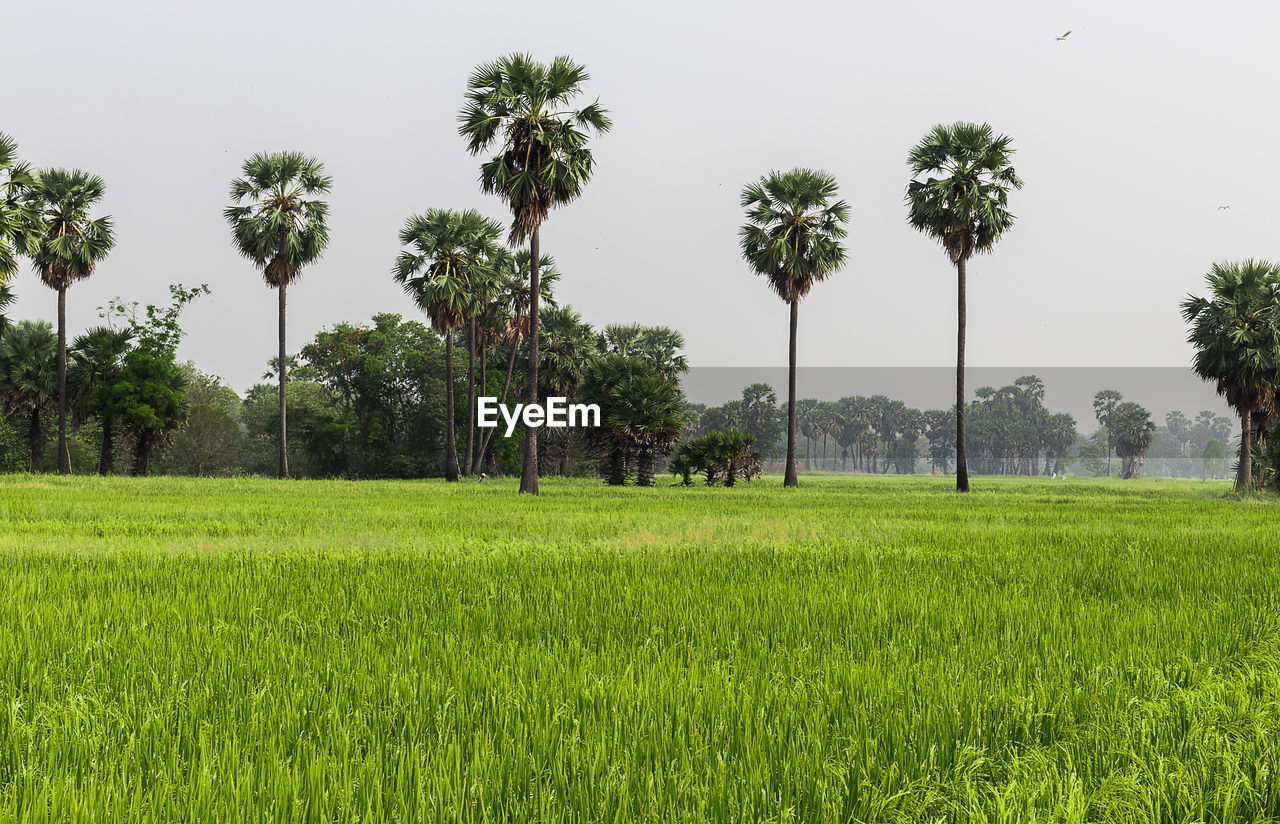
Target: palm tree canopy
(446,260)
(1236,332)
(1132,429)
(70,243)
(513,295)
(963,201)
(28,367)
(793,230)
(96,359)
(524,106)
(277,218)
(19,215)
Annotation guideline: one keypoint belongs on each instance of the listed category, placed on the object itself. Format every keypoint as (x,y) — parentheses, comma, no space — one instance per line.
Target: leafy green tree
(209,442)
(792,238)
(279,221)
(963,204)
(29,380)
(96,363)
(378,409)
(150,397)
(19,212)
(71,245)
(448,250)
(1236,335)
(520,105)
(1131,431)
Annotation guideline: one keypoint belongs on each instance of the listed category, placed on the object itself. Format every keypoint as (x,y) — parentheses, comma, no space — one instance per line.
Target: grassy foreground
(872,649)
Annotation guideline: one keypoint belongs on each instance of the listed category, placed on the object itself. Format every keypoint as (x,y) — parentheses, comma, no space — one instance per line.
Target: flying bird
(1221,208)
(1064,35)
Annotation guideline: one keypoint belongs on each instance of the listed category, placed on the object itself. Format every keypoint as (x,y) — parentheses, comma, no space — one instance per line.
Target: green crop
(867,649)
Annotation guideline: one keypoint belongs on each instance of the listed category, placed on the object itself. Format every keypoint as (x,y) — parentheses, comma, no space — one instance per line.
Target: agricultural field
(860,649)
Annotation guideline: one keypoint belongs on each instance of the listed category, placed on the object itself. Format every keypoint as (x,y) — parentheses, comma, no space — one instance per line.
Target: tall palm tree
(279,221)
(1236,335)
(792,237)
(97,359)
(19,214)
(522,106)
(71,245)
(447,250)
(29,380)
(963,204)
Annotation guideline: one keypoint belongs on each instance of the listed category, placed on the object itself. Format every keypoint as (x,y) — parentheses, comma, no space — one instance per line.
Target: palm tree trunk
(450,446)
(789,478)
(1244,467)
(282,369)
(471,396)
(35,440)
(106,456)
(64,459)
(962,458)
(529,475)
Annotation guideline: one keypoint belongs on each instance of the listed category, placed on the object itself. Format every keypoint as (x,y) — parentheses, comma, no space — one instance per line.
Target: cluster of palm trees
(958,195)
(46,216)
(1236,335)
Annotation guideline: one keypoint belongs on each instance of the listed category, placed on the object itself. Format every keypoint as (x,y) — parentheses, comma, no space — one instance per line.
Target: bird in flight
(1064,35)
(1222,208)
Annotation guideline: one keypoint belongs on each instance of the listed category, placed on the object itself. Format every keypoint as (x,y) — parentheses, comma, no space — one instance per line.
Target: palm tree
(1133,431)
(448,250)
(963,205)
(1104,410)
(1236,335)
(278,221)
(97,359)
(19,232)
(29,380)
(507,315)
(522,106)
(792,237)
(6,298)
(71,245)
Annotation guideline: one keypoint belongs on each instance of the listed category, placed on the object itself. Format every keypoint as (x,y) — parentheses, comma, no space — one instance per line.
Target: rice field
(860,649)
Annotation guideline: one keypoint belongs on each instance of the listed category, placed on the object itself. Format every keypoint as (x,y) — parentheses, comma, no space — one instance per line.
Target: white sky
(1129,136)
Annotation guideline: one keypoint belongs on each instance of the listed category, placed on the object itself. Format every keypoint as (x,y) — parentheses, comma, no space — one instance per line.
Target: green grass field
(868,649)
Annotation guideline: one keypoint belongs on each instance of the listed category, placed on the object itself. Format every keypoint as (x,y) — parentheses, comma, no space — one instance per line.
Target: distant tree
(209,443)
(71,245)
(1131,432)
(792,237)
(1060,433)
(963,204)
(519,104)
(279,221)
(29,380)
(1093,453)
(1215,459)
(447,252)
(1236,335)
(1104,410)
(940,430)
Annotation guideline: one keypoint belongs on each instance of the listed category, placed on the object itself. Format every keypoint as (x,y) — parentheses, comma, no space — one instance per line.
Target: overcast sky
(1129,135)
